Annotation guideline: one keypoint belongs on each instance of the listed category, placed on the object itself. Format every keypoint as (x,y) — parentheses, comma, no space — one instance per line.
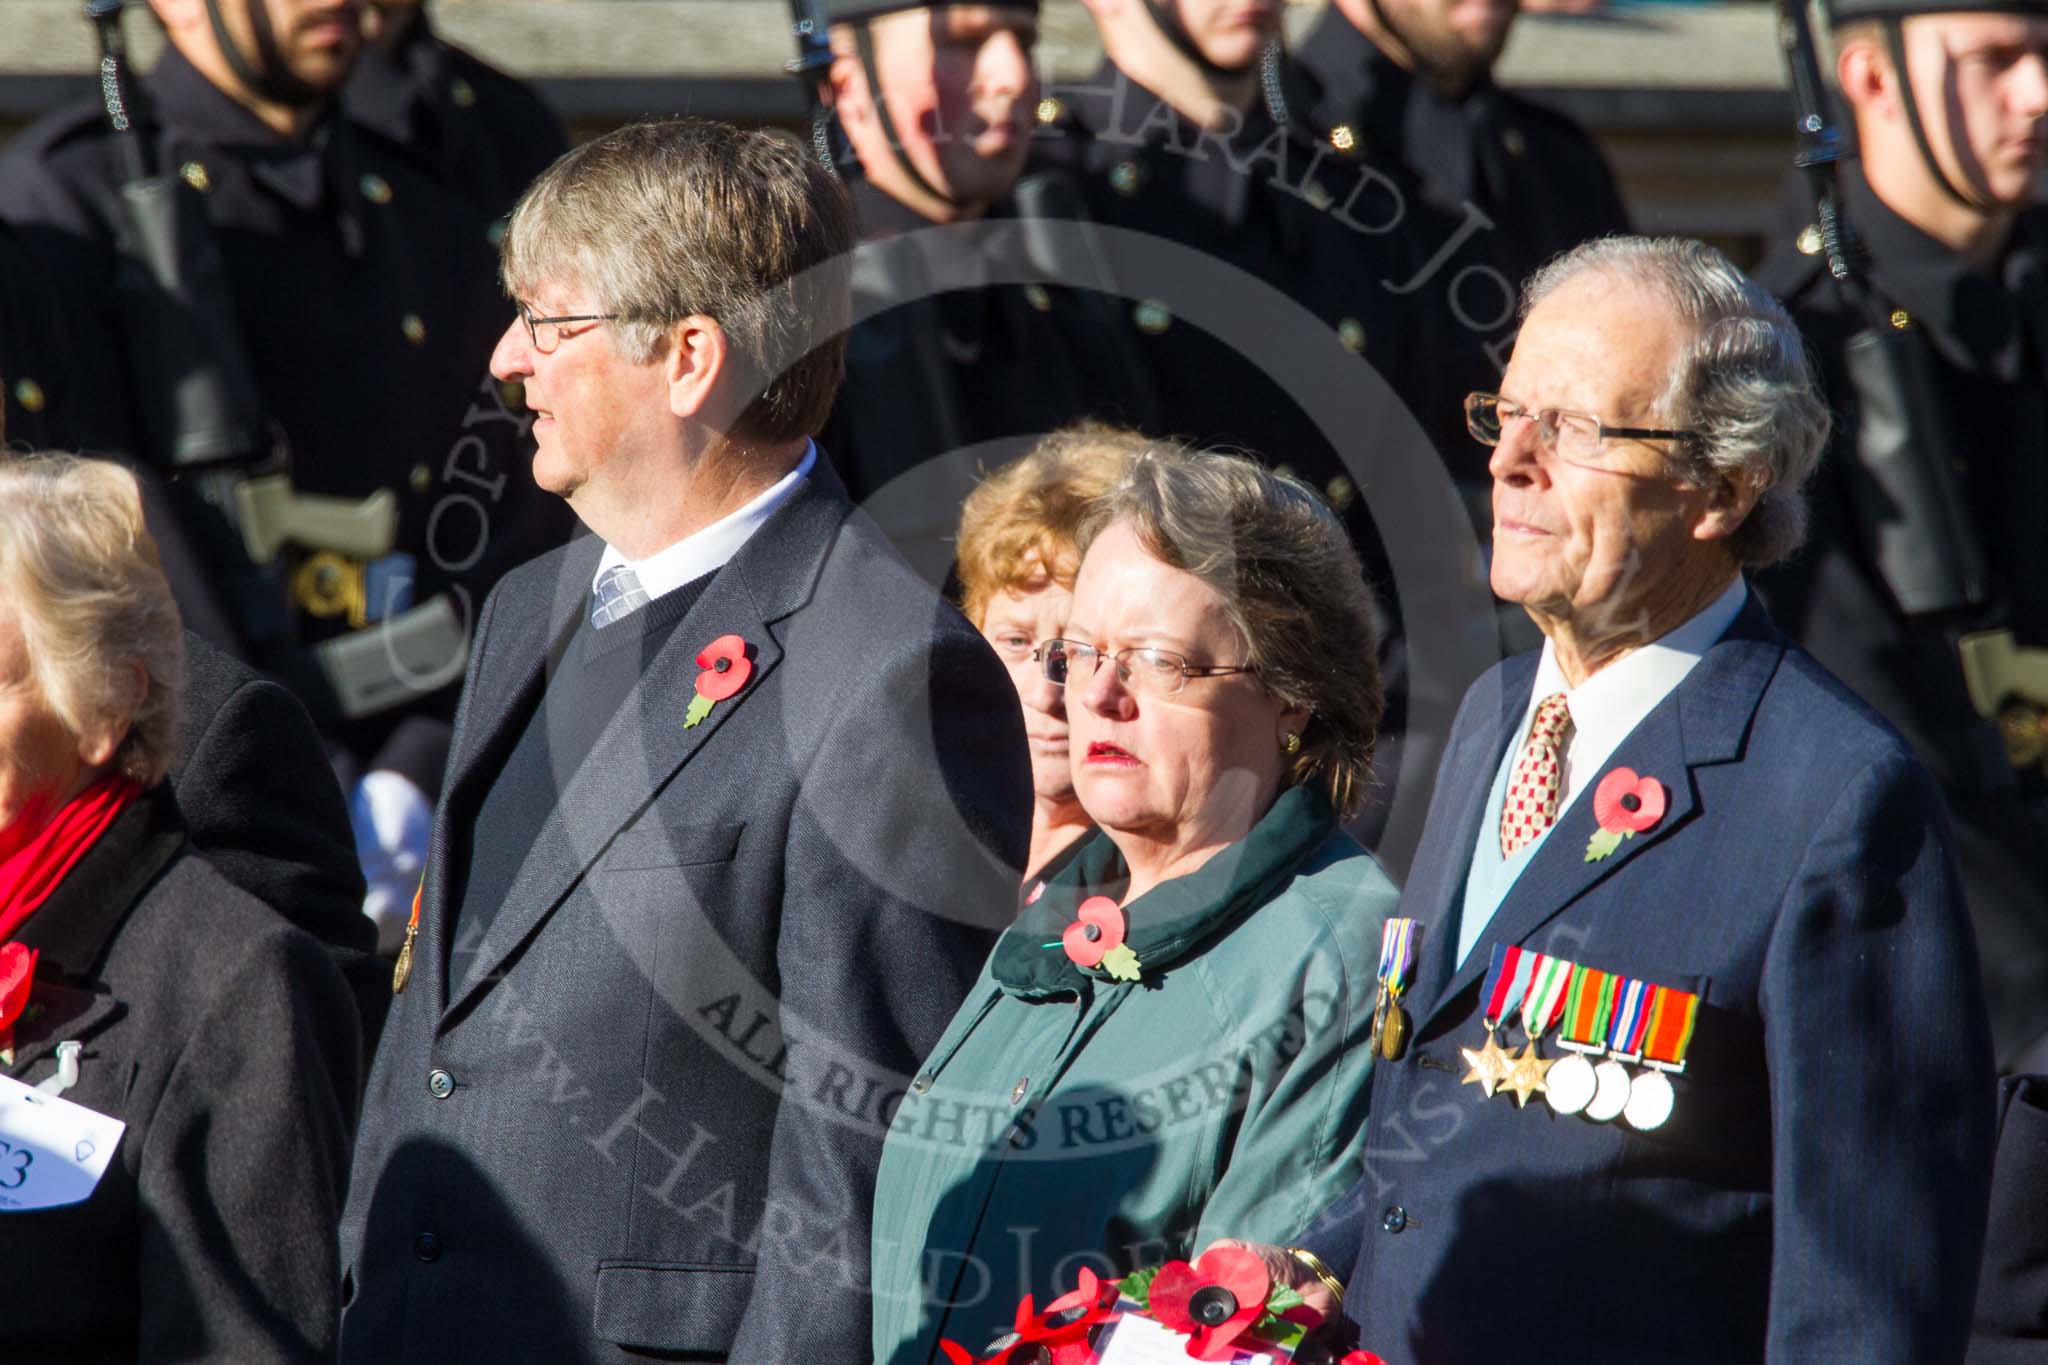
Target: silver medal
(1610,1091)
(1570,1085)
(1649,1101)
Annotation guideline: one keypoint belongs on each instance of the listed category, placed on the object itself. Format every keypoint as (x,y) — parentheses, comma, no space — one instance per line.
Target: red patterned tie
(1538,777)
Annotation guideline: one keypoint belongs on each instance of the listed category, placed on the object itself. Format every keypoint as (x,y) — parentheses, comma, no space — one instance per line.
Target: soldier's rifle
(205,431)
(1910,502)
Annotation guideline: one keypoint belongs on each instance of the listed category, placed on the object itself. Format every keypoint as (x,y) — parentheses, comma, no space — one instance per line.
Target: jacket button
(922,1083)
(1017,1094)
(1394,1219)
(440,1084)
(427,1247)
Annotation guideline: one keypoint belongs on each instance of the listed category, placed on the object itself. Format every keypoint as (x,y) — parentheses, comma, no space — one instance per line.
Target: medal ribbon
(1500,992)
(1588,1008)
(1631,1017)
(1546,994)
(1397,954)
(1670,1033)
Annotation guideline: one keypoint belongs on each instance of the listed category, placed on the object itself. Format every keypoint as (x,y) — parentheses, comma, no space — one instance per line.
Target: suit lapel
(645,743)
(526,632)
(1437,885)
(1704,721)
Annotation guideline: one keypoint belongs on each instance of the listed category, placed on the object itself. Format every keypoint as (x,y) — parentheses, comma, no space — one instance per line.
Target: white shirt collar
(703,551)
(1611,703)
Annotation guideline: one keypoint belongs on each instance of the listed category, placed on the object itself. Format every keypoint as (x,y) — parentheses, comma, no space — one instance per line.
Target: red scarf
(37,850)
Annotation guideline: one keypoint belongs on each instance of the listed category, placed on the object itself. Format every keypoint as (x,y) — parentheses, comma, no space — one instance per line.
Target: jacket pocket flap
(681,1307)
(654,843)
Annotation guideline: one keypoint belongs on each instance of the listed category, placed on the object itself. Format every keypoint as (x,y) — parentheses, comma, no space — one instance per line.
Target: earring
(1290,743)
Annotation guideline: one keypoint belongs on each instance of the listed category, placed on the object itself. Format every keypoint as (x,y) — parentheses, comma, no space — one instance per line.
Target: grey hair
(79,571)
(665,220)
(1744,380)
(1291,584)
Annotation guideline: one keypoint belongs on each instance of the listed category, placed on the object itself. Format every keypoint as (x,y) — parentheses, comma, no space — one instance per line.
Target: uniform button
(1340,491)
(1050,110)
(1901,319)
(440,1084)
(1152,317)
(1038,297)
(1809,240)
(427,1247)
(463,93)
(194,173)
(1125,178)
(29,394)
(922,1083)
(1513,140)
(1017,1092)
(422,478)
(1344,137)
(1395,1218)
(1351,335)
(375,188)
(414,327)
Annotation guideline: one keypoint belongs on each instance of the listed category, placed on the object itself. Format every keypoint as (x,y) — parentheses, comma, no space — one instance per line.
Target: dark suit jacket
(650,1114)
(2011,1326)
(224,1039)
(1819,1191)
(261,802)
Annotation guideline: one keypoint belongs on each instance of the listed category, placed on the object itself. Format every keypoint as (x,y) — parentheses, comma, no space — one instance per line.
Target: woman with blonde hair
(181,1200)
(1016,561)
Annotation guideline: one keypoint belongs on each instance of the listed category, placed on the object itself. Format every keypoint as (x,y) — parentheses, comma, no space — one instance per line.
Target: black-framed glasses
(546,333)
(1141,668)
(1577,438)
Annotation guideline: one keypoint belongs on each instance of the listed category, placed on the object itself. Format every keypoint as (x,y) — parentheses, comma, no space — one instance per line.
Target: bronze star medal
(1525,1075)
(1489,1064)
(1542,1002)
(1507,976)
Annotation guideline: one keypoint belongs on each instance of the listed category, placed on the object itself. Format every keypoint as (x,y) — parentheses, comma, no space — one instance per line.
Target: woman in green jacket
(1171,1043)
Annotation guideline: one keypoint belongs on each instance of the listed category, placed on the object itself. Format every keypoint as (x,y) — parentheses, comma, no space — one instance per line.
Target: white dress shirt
(701,552)
(1611,703)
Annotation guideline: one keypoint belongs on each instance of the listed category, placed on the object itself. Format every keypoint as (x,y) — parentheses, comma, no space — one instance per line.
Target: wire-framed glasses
(546,333)
(1143,669)
(1575,437)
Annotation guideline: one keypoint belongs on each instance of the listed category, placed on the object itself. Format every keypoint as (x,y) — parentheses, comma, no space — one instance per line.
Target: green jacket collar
(1173,919)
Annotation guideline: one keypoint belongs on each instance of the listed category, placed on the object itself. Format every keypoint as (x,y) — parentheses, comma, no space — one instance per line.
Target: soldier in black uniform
(477,129)
(1183,136)
(365,301)
(51,398)
(1958,256)
(969,343)
(1506,183)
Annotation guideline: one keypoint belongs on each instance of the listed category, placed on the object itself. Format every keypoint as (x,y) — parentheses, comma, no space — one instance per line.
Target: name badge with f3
(52,1152)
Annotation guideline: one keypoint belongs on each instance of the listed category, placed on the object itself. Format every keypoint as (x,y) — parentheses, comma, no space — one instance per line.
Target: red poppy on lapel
(726,670)
(1624,805)
(1214,1301)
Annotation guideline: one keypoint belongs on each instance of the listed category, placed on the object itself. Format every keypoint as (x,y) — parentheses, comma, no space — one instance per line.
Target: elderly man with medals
(1700,1068)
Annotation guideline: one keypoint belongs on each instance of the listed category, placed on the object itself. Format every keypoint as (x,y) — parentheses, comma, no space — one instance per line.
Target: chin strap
(273,80)
(1170,27)
(864,44)
(1895,42)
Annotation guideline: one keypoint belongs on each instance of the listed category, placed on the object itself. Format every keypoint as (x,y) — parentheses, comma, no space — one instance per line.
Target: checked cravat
(1537,778)
(618,593)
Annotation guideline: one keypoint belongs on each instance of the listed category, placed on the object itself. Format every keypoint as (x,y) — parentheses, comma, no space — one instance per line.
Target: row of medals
(1572,1084)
